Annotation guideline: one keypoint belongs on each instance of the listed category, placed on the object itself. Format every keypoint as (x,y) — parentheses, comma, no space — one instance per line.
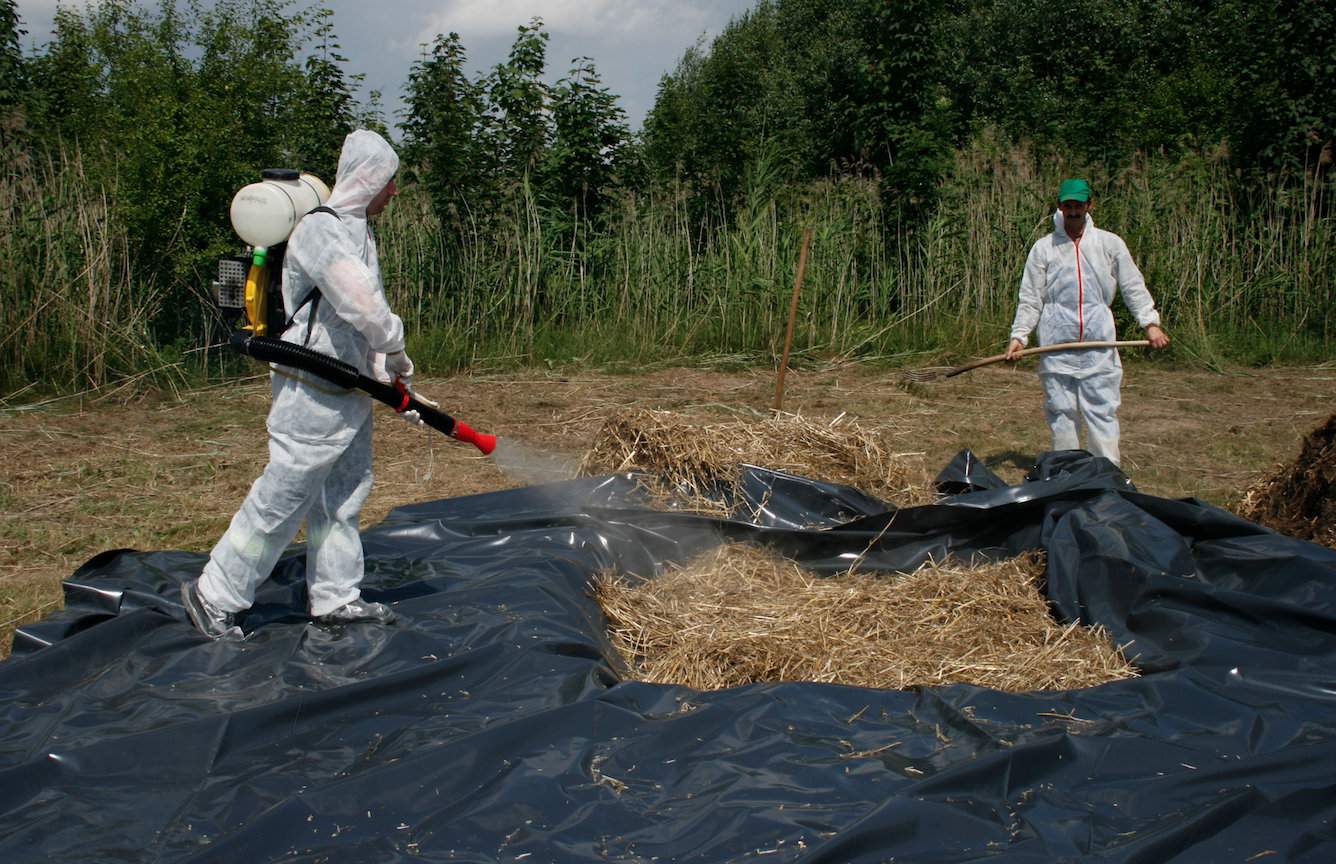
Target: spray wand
(271,350)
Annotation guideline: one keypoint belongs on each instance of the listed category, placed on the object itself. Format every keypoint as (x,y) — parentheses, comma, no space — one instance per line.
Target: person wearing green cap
(1070,279)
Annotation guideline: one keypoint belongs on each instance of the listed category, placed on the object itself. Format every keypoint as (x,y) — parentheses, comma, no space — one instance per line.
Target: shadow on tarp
(492,722)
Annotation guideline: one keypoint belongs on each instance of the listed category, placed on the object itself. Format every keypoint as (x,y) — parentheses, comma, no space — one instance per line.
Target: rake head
(925,374)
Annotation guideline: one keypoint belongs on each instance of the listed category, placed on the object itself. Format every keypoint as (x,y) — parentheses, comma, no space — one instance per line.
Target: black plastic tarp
(493,721)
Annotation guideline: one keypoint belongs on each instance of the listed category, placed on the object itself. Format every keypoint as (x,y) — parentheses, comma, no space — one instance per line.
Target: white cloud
(36,8)
(36,17)
(632,42)
(593,19)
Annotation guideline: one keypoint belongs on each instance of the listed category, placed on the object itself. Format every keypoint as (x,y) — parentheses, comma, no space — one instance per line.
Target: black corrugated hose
(271,350)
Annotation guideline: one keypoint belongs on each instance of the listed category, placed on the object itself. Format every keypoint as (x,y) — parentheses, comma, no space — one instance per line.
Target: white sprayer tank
(264,213)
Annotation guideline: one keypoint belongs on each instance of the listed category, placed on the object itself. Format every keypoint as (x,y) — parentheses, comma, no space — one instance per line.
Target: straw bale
(699,461)
(740,615)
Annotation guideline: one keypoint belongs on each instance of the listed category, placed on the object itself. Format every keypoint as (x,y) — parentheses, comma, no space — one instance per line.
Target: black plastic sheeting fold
(492,723)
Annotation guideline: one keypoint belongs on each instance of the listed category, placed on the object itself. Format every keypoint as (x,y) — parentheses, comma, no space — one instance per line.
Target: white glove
(378,367)
(413,416)
(399,368)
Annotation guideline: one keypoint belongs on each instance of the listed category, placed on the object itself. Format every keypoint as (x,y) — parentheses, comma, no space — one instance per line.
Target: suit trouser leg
(334,562)
(1062,410)
(310,432)
(265,524)
(1100,396)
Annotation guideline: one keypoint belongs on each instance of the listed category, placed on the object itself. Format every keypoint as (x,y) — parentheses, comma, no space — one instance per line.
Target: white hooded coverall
(1067,290)
(319,435)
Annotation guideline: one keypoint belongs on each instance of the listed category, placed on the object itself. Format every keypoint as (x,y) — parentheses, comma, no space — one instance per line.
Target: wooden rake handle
(1045,349)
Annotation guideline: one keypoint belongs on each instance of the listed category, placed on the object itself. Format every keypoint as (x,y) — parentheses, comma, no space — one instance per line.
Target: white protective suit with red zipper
(1067,291)
(319,435)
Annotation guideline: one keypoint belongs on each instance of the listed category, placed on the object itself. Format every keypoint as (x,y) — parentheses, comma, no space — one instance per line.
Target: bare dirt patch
(80,477)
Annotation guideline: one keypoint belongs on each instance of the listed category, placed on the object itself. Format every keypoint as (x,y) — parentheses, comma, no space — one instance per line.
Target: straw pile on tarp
(1299,499)
(741,615)
(698,464)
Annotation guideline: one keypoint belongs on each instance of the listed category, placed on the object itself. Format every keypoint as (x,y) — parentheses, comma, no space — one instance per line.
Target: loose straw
(740,615)
(696,462)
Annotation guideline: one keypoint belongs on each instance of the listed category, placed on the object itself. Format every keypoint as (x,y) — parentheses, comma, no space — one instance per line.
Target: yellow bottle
(257,293)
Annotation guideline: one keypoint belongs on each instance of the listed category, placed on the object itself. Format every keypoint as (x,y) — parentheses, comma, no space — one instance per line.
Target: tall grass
(72,312)
(1244,273)
(1241,270)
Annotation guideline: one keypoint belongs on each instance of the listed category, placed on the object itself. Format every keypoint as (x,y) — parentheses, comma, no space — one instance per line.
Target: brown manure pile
(1299,499)
(740,615)
(693,459)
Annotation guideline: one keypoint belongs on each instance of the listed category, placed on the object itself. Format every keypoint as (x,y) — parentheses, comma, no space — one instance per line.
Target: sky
(632,42)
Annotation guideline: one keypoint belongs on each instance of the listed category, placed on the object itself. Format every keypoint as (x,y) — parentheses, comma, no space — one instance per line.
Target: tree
(11,60)
(781,85)
(66,100)
(589,135)
(1282,54)
(518,98)
(371,115)
(444,132)
(718,107)
(330,109)
(905,116)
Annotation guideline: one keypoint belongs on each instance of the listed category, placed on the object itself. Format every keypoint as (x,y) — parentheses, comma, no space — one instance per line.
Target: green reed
(72,312)
(1242,270)
(648,280)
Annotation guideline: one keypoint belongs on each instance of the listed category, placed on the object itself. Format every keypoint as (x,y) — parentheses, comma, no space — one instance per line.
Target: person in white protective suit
(319,435)
(1071,277)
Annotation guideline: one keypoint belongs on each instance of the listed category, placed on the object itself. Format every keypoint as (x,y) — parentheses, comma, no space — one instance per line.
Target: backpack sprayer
(264,215)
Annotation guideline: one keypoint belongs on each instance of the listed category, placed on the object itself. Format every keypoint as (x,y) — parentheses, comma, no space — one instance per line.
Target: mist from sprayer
(530,466)
(675,541)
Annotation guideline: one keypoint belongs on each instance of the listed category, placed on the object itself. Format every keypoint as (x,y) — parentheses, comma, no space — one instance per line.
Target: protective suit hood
(338,255)
(366,164)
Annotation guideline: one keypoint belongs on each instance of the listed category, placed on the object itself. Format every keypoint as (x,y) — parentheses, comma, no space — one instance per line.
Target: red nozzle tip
(484,442)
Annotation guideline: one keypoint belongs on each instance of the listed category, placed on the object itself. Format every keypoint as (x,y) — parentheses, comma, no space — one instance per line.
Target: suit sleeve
(1032,294)
(327,254)
(1132,284)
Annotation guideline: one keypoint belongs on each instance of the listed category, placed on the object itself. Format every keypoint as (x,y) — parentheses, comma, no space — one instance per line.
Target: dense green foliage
(586,158)
(899,85)
(1249,282)
(330,108)
(447,136)
(474,144)
(921,139)
(11,61)
(177,109)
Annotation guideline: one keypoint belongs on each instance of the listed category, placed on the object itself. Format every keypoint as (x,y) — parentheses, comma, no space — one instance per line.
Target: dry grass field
(167,470)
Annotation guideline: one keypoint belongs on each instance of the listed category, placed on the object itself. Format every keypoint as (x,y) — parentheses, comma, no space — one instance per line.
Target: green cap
(1074,190)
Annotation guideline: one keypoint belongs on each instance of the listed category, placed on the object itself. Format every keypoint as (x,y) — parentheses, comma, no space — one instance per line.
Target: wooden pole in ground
(793,314)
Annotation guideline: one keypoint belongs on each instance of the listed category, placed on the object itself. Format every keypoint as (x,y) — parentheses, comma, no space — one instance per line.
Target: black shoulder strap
(312,296)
